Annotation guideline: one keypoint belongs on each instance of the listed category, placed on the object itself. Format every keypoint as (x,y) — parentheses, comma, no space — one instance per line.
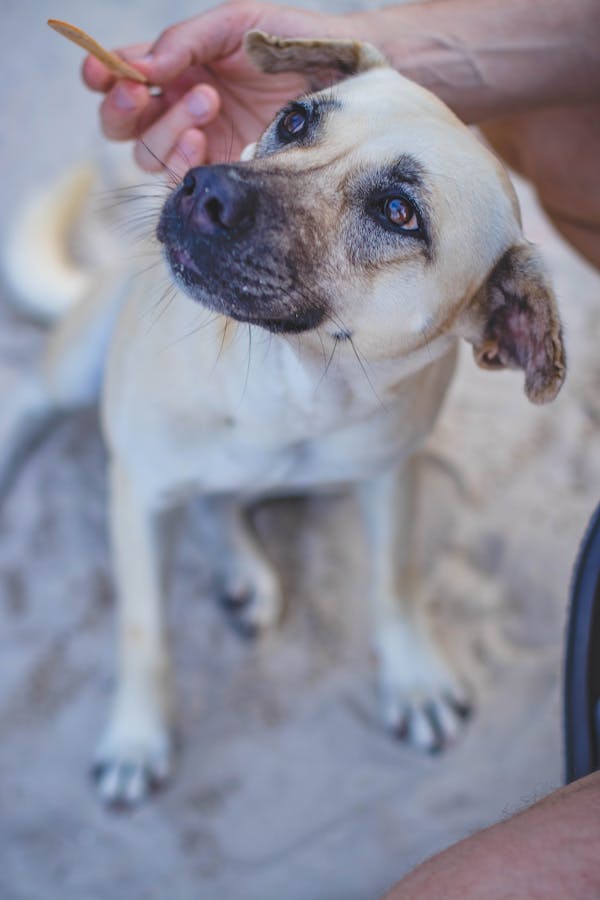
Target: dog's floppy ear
(278,54)
(513,322)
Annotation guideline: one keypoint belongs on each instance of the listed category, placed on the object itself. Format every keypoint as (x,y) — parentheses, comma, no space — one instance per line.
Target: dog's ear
(513,322)
(277,54)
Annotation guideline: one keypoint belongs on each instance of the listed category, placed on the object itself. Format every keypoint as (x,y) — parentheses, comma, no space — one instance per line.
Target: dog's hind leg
(135,751)
(248,585)
(26,414)
(67,378)
(422,700)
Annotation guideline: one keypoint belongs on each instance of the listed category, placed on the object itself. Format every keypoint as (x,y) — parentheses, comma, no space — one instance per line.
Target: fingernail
(122,98)
(198,104)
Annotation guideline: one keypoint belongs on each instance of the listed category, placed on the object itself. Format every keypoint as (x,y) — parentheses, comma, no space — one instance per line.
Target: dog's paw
(427,717)
(252,600)
(422,702)
(128,765)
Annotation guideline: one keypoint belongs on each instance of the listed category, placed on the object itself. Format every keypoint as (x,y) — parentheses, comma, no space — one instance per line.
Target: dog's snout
(215,199)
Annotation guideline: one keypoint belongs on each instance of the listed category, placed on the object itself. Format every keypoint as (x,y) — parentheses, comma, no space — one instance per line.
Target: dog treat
(110,60)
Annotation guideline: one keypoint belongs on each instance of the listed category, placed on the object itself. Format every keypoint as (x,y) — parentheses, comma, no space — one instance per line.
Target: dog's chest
(255,457)
(244,412)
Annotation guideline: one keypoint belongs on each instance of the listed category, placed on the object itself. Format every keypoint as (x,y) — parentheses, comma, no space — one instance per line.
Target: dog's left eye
(293,124)
(400,213)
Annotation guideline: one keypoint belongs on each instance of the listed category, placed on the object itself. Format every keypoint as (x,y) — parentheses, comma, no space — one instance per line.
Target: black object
(582,662)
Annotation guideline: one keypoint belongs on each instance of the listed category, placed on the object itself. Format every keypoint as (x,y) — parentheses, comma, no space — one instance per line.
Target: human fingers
(201,40)
(127,107)
(197,107)
(124,107)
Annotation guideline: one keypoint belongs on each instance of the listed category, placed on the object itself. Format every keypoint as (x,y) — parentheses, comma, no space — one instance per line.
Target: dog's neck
(343,365)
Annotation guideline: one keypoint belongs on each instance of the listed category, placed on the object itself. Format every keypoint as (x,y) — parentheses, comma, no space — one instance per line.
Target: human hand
(213,101)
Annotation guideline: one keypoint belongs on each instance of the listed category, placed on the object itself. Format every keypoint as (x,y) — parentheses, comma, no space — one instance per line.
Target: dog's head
(367,211)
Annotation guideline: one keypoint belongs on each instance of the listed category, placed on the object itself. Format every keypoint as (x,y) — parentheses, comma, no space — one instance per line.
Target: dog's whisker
(138,228)
(229,155)
(110,202)
(147,208)
(214,318)
(365,372)
(157,303)
(106,208)
(143,227)
(132,217)
(173,176)
(322,343)
(362,360)
(144,253)
(337,320)
(268,343)
(185,158)
(223,338)
(248,363)
(169,300)
(144,216)
(144,185)
(160,306)
(205,322)
(144,271)
(327,366)
(155,194)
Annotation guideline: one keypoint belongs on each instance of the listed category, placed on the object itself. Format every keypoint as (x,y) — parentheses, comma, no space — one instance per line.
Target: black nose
(216,199)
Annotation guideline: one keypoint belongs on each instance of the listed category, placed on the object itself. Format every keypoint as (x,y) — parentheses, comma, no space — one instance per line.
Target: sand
(285,784)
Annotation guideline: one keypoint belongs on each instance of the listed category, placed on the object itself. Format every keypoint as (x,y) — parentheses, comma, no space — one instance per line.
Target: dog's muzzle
(231,243)
(214,200)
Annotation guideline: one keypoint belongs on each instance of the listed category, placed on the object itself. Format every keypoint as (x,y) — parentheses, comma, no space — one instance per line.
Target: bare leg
(550,850)
(134,753)
(420,696)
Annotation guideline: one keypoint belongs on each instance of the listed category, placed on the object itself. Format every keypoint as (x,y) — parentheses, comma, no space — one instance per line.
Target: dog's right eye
(400,213)
(293,124)
(397,213)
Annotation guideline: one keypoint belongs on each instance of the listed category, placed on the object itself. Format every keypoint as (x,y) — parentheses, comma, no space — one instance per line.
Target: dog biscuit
(110,60)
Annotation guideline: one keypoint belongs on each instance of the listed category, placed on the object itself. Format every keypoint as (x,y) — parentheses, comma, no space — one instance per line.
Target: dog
(367,231)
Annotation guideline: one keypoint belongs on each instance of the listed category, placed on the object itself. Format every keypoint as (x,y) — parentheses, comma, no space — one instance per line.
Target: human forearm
(486,58)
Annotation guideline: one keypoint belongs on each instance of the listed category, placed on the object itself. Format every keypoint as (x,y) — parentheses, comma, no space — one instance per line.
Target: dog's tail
(41,271)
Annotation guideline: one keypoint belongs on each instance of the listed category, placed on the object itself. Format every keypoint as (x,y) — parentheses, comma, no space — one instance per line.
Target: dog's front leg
(134,753)
(420,696)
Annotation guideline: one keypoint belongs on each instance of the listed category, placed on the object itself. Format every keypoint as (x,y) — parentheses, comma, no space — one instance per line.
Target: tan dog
(367,231)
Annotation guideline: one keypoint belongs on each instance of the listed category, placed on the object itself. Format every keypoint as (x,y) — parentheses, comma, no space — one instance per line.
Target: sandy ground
(285,784)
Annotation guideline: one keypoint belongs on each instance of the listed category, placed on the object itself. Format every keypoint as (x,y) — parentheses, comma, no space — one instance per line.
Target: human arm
(489,58)
(485,58)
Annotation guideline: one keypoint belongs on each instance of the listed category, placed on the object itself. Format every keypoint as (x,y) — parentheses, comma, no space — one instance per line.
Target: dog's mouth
(249,302)
(182,265)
